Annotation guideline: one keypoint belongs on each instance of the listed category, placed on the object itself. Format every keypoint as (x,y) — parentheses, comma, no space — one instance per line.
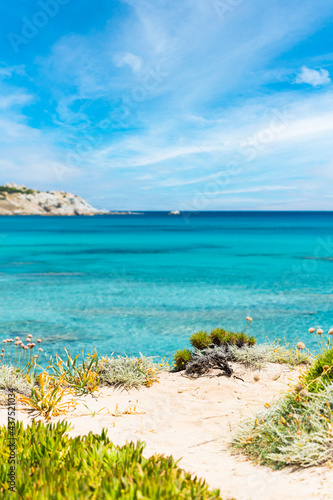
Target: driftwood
(204,362)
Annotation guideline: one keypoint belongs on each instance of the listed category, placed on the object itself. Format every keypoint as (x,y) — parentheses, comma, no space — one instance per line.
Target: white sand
(193,421)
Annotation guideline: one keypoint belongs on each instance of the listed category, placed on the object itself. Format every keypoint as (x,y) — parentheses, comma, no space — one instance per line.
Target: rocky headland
(20,200)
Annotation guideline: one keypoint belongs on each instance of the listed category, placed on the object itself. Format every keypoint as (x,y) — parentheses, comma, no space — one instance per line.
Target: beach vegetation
(181,358)
(221,337)
(90,467)
(47,398)
(320,372)
(218,336)
(257,356)
(296,430)
(200,340)
(13,379)
(81,376)
(128,372)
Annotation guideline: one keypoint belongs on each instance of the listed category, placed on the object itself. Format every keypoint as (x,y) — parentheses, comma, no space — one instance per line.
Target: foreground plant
(297,430)
(53,465)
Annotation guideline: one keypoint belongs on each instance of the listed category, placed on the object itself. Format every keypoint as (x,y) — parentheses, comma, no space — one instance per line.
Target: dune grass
(257,356)
(128,372)
(296,430)
(11,378)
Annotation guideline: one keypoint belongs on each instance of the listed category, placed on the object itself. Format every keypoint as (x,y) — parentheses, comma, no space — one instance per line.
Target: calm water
(130,284)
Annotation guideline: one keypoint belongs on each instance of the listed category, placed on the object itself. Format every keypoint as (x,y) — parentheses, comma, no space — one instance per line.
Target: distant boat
(174,212)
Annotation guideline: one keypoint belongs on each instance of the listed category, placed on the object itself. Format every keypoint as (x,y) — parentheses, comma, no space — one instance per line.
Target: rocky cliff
(19,200)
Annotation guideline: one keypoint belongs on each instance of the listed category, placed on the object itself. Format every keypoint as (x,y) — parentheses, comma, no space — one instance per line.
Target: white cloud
(131,60)
(313,77)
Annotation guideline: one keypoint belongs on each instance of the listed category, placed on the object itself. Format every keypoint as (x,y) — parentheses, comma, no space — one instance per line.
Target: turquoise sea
(144,283)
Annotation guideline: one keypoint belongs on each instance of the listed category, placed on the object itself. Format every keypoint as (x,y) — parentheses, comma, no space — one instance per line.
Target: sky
(170,104)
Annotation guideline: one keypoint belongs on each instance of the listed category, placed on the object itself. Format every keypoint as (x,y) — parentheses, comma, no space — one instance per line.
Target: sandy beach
(193,420)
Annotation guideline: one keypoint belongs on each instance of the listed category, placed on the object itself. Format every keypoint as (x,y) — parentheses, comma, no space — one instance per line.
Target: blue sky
(178,104)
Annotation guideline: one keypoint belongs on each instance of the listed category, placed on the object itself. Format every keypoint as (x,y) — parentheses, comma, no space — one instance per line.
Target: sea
(131,284)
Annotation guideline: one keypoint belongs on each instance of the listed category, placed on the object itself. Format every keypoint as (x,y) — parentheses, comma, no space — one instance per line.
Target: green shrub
(200,340)
(53,465)
(181,358)
(320,373)
(13,190)
(251,341)
(218,336)
(296,430)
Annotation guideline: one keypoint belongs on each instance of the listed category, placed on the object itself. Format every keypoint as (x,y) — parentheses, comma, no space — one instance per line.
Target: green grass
(51,465)
(320,373)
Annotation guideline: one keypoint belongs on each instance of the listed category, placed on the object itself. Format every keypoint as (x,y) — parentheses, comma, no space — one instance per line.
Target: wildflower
(30,335)
(303,393)
(2,350)
(311,330)
(10,340)
(27,339)
(17,342)
(2,354)
(40,349)
(36,356)
(320,331)
(300,346)
(17,338)
(26,347)
(38,341)
(248,318)
(299,387)
(4,341)
(330,332)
